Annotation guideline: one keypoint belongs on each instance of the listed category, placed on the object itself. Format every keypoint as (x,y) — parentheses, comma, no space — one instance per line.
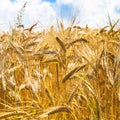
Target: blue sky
(12,0)
(94,13)
(65,10)
(52,1)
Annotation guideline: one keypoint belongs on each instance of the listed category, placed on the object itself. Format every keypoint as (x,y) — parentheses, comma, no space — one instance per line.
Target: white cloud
(43,13)
(94,12)
(91,12)
(35,11)
(64,1)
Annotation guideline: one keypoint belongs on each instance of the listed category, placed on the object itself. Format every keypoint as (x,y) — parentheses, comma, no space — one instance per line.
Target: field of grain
(60,74)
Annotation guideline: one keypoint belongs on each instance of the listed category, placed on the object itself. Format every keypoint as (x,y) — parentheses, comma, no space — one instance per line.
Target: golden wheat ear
(72,72)
(61,44)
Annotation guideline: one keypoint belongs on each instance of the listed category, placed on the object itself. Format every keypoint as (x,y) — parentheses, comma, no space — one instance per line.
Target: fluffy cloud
(35,11)
(42,13)
(94,13)
(65,1)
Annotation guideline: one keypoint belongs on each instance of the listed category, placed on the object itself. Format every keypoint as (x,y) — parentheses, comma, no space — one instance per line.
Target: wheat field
(60,74)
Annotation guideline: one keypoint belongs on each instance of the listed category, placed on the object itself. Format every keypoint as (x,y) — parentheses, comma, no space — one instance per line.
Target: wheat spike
(61,44)
(73,72)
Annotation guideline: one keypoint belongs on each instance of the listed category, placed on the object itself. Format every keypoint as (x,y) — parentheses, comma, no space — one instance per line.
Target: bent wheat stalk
(72,95)
(75,41)
(54,110)
(10,114)
(73,72)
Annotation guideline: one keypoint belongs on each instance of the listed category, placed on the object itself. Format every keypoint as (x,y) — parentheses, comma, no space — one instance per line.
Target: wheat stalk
(54,110)
(12,114)
(73,72)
